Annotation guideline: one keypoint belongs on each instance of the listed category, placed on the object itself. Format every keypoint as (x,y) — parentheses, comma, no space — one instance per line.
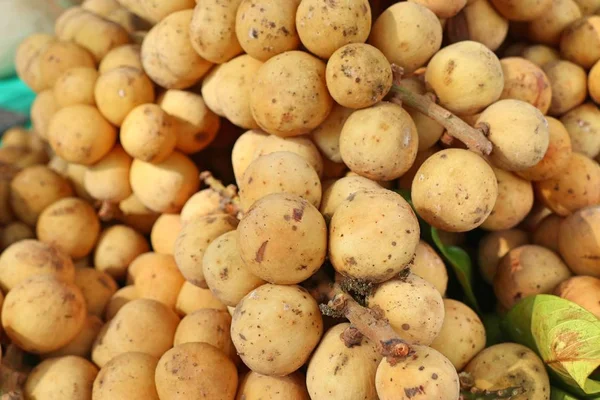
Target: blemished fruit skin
(377,251)
(426,375)
(509,364)
(451,196)
(413,307)
(264,199)
(284,344)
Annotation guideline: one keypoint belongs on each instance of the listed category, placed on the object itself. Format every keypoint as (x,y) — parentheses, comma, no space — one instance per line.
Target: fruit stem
(230,200)
(108,211)
(370,323)
(12,374)
(473,138)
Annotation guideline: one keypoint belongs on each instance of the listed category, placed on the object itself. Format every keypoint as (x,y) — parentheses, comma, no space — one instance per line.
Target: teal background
(16,96)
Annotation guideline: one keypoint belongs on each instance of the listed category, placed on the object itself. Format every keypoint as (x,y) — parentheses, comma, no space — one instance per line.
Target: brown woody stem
(473,138)
(230,200)
(369,323)
(108,211)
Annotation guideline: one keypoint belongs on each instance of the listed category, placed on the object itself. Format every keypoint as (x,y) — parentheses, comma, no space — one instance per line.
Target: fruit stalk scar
(368,322)
(230,201)
(468,391)
(473,138)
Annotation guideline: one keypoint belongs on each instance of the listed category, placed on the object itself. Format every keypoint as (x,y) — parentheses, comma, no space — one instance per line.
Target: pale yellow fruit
(263,40)
(462,335)
(280,339)
(195,370)
(466,77)
(142,325)
(97,288)
(338,371)
(42,314)
(508,364)
(427,369)
(428,265)
(192,298)
(127,376)
(117,247)
(454,190)
(496,245)
(325,27)
(166,186)
(390,147)
(225,272)
(528,270)
(71,225)
(68,377)
(289,95)
(408,34)
(519,142)
(413,307)
(362,241)
(168,55)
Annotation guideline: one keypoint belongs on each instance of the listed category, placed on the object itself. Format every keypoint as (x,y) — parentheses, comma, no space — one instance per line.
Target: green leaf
(462,266)
(559,394)
(565,336)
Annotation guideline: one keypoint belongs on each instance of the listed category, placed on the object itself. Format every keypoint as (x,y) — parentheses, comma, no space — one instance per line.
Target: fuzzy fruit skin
(363,242)
(583,125)
(569,86)
(466,77)
(276,37)
(480,22)
(337,371)
(519,133)
(294,81)
(429,265)
(582,290)
(521,10)
(417,35)
(226,274)
(389,148)
(514,202)
(275,328)
(557,156)
(453,197)
(462,336)
(68,377)
(42,314)
(427,375)
(358,75)
(496,245)
(509,364)
(255,386)
(130,376)
(413,306)
(580,41)
(528,270)
(280,172)
(577,241)
(193,240)
(576,187)
(195,370)
(325,27)
(283,239)
(523,80)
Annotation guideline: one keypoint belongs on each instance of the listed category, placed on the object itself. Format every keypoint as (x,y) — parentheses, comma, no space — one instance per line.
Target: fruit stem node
(369,323)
